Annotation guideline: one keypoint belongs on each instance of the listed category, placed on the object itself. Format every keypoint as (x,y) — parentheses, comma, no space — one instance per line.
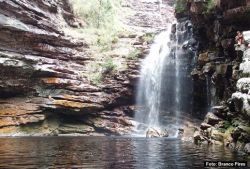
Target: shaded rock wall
(221,71)
(217,61)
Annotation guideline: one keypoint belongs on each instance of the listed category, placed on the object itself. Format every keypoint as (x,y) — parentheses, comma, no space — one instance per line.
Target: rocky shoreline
(221,75)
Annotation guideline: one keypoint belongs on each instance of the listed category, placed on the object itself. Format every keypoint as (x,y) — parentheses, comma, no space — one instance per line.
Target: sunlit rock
(243,85)
(205,126)
(216,135)
(242,102)
(152,132)
(246,35)
(203,58)
(212,119)
(220,111)
(247,148)
(245,66)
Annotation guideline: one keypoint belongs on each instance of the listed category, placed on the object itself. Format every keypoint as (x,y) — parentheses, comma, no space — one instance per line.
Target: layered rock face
(218,62)
(43,84)
(222,71)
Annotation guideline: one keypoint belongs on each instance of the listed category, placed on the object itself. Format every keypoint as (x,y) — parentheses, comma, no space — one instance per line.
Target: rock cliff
(44,85)
(222,70)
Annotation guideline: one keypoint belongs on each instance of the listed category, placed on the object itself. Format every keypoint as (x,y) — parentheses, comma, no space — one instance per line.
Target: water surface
(107,152)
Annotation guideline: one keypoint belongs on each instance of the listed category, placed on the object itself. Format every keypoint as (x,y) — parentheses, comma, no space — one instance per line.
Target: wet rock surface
(222,71)
(151,132)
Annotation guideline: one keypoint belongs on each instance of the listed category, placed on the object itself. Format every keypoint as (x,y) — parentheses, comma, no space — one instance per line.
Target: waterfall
(177,90)
(149,89)
(208,92)
(165,86)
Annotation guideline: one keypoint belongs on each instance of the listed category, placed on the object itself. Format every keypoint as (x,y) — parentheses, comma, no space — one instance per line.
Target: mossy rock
(217,135)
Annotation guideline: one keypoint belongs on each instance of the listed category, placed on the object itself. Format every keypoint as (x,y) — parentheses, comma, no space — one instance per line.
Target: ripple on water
(107,152)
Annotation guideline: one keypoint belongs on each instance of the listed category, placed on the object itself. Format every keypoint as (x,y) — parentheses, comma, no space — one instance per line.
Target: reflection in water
(107,152)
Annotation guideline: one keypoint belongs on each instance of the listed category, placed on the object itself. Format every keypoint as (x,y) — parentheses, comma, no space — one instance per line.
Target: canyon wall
(44,85)
(221,76)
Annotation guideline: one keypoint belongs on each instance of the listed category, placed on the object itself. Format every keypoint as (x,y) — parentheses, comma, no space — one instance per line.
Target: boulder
(247,148)
(246,35)
(243,85)
(220,111)
(228,140)
(195,74)
(247,53)
(164,133)
(151,132)
(212,119)
(205,126)
(198,137)
(241,133)
(242,103)
(216,135)
(203,58)
(245,66)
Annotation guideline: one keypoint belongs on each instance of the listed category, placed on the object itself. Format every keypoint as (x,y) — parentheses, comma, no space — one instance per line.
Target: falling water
(149,90)
(165,86)
(208,90)
(177,84)
(184,52)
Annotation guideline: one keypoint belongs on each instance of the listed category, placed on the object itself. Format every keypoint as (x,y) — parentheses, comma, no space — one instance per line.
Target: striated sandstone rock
(43,72)
(39,63)
(229,86)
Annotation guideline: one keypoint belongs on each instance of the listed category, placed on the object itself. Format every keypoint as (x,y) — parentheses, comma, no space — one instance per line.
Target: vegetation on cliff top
(102,29)
(102,21)
(180,6)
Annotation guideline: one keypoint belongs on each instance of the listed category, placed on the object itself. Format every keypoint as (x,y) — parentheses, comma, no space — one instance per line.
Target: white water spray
(165,88)
(149,90)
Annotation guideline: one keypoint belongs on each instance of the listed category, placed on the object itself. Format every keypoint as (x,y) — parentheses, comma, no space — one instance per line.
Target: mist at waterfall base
(165,87)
